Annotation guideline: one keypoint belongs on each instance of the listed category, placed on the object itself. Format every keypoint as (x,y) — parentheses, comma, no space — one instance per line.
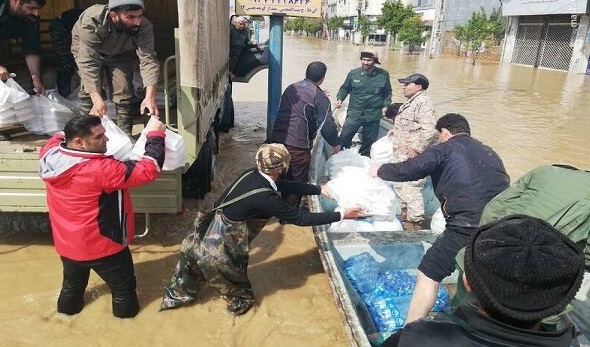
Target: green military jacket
(369,93)
(556,194)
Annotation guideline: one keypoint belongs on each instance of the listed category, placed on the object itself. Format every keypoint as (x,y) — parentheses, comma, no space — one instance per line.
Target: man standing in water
(90,209)
(412,131)
(466,175)
(304,110)
(217,251)
(369,88)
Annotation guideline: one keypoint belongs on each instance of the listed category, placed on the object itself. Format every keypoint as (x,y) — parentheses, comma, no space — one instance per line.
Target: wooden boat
(394,250)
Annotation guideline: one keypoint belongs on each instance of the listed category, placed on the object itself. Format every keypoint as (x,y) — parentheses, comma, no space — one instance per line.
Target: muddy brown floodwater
(530,117)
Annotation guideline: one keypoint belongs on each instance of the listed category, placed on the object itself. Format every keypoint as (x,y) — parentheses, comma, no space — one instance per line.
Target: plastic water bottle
(442,302)
(362,270)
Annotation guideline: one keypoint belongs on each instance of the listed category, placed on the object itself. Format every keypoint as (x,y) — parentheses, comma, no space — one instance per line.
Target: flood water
(530,117)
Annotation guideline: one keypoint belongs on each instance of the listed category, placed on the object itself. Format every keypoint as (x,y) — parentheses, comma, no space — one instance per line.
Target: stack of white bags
(42,115)
(15,104)
(351,185)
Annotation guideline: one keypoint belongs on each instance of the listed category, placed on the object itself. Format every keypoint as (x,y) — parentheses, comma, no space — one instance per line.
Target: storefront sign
(292,8)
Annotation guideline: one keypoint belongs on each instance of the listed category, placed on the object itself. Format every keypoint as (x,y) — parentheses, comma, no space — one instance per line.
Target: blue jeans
(369,133)
(118,273)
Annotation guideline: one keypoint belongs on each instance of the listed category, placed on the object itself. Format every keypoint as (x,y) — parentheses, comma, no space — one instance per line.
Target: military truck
(194,93)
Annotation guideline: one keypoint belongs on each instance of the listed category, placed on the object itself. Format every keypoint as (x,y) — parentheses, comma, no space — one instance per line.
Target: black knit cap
(522,269)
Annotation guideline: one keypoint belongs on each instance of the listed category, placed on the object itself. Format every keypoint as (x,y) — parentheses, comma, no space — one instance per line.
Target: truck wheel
(20,222)
(196,182)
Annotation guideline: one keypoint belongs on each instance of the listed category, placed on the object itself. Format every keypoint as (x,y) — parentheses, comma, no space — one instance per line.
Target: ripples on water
(531,117)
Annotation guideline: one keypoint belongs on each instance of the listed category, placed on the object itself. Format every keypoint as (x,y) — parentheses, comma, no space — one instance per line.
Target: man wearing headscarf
(216,252)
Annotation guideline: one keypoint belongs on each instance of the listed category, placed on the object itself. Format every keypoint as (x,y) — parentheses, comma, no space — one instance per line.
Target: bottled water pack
(386,294)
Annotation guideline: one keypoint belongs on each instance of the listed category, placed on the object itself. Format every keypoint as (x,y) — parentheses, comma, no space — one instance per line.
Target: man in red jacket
(90,209)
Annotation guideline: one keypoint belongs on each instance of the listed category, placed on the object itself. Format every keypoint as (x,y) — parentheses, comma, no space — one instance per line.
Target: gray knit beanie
(522,269)
(117,3)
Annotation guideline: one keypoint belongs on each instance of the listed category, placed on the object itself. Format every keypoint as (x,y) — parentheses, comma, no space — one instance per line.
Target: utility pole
(437,28)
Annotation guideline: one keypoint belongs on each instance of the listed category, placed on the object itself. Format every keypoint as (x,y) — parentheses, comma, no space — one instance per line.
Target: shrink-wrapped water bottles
(386,294)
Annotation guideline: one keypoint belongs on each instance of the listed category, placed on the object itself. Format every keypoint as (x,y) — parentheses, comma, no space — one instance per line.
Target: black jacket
(466,175)
(304,109)
(16,27)
(268,204)
(468,327)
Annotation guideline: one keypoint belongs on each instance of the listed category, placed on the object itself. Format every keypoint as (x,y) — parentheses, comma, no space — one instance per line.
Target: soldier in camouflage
(413,130)
(216,252)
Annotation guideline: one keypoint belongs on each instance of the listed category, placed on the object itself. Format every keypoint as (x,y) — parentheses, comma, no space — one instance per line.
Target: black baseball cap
(416,79)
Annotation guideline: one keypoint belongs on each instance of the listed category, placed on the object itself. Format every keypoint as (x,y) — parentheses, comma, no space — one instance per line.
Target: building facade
(552,34)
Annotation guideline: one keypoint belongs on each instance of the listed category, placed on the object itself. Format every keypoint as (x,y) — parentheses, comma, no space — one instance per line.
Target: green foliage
(461,35)
(411,32)
(393,15)
(311,26)
(365,26)
(498,25)
(479,28)
(335,23)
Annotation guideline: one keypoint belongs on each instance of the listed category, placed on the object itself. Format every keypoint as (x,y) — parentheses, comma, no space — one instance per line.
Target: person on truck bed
(20,19)
(107,40)
(216,252)
(90,209)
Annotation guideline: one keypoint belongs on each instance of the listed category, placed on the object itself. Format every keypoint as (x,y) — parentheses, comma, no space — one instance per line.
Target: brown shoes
(412,226)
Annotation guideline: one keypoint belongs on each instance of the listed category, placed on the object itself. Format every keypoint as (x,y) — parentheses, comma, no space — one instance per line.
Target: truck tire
(226,117)
(21,222)
(196,182)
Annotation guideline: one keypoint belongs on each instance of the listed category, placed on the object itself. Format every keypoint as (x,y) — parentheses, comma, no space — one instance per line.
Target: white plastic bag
(353,186)
(382,150)
(346,158)
(16,93)
(15,104)
(50,115)
(175,156)
(438,223)
(119,145)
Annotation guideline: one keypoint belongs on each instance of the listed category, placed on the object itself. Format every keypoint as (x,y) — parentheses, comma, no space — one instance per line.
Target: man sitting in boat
(520,270)
(217,251)
(466,175)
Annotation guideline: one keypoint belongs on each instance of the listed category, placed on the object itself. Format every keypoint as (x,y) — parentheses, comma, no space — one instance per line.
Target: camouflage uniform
(413,128)
(216,252)
(218,257)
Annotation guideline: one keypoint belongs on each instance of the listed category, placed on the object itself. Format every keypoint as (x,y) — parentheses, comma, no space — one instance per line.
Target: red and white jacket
(88,199)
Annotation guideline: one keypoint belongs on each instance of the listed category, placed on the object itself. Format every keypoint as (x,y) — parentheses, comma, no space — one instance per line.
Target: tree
(365,27)
(480,27)
(392,17)
(312,26)
(461,36)
(498,25)
(335,23)
(411,32)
